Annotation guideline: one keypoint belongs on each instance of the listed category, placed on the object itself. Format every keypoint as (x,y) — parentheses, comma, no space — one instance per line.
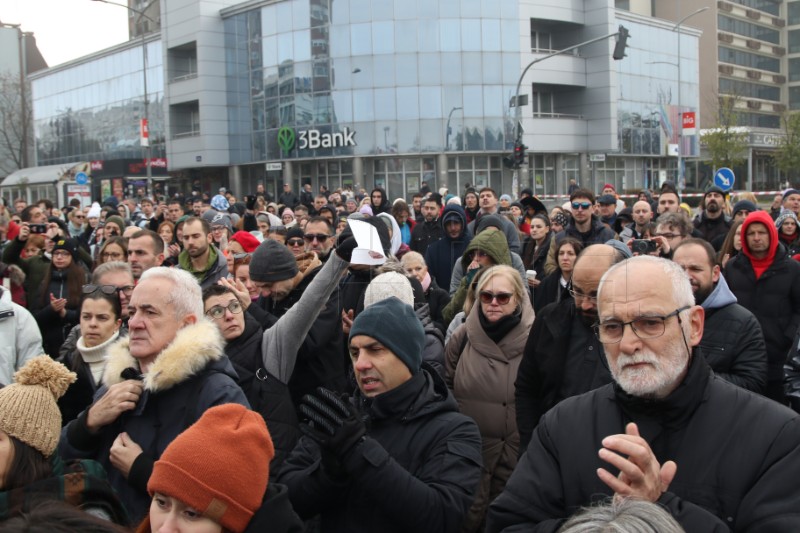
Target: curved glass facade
(91,111)
(401,77)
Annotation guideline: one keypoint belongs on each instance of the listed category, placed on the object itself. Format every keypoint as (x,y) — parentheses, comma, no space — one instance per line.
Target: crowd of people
(213,363)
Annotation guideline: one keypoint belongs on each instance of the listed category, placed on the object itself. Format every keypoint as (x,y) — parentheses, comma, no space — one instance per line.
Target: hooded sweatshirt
(720,297)
(760,265)
(442,254)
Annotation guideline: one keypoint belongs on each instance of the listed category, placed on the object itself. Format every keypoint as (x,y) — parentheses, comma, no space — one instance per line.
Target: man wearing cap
(397,456)
(712,222)
(199,256)
(791,201)
(606,207)
(766,281)
(274,271)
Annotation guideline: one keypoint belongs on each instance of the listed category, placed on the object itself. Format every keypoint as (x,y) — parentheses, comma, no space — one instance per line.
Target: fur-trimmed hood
(193,348)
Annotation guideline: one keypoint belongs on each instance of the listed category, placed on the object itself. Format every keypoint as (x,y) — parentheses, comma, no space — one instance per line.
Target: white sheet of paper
(369,250)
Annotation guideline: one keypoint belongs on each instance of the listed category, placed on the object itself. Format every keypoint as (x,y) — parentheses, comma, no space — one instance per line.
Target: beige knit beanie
(28,408)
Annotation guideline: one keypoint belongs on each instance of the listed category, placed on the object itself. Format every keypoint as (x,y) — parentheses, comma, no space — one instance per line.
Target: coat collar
(192,349)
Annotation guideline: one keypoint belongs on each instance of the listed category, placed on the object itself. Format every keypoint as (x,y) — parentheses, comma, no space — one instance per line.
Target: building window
(794,69)
(748,29)
(185,119)
(794,41)
(773,7)
(541,39)
(794,97)
(542,103)
(746,59)
(794,13)
(749,90)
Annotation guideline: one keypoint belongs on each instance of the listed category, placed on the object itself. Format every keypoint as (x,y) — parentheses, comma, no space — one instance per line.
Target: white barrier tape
(689,195)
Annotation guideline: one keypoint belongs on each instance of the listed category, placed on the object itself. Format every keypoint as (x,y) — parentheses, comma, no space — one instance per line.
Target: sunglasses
(581,205)
(321,237)
(218,311)
(295,242)
(239,257)
(502,297)
(127,290)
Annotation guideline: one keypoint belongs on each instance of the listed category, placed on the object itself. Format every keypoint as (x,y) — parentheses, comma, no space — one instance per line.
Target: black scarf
(499,329)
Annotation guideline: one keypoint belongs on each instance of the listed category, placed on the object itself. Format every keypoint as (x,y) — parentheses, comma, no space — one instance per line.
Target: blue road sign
(724,179)
(81,178)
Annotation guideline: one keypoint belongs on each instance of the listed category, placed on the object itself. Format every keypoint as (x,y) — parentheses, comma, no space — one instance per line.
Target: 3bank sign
(289,138)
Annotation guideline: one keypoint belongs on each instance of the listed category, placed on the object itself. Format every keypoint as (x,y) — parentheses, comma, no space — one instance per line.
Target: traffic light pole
(622,33)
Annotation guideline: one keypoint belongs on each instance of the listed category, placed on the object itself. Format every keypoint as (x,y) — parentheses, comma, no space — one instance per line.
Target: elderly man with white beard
(715,456)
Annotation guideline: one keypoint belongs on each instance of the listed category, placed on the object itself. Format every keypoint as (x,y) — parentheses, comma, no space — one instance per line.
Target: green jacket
(493,243)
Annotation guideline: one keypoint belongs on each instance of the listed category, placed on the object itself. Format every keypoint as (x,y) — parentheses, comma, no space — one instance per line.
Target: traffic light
(622,43)
(519,154)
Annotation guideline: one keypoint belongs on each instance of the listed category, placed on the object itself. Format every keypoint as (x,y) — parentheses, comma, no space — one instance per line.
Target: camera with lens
(643,246)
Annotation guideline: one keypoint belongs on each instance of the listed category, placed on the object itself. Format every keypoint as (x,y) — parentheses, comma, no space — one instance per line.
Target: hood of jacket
(423,313)
(720,297)
(451,211)
(493,243)
(424,394)
(761,217)
(192,349)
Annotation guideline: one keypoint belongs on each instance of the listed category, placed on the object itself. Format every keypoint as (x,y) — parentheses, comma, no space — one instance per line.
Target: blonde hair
(505,271)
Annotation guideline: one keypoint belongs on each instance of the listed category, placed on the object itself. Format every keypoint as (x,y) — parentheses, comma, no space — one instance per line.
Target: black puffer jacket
(732,341)
(599,233)
(737,456)
(775,301)
(417,470)
(543,367)
(434,340)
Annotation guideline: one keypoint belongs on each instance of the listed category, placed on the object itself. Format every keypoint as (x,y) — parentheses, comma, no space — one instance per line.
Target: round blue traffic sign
(81,178)
(724,179)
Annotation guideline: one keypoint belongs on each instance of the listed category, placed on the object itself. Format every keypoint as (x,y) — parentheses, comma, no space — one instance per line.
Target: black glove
(344,249)
(333,422)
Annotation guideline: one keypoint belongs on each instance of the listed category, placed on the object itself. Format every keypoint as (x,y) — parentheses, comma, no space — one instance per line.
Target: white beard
(655,380)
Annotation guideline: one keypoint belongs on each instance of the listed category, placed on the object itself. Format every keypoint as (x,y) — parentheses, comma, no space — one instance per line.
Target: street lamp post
(681,178)
(447,132)
(148,147)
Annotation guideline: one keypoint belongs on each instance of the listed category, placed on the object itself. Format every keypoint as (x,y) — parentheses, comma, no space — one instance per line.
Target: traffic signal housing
(622,43)
(519,154)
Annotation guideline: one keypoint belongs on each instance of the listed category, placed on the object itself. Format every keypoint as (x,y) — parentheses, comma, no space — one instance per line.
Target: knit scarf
(497,330)
(426,282)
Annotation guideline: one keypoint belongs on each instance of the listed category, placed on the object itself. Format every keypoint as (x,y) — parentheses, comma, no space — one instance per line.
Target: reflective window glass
(361,39)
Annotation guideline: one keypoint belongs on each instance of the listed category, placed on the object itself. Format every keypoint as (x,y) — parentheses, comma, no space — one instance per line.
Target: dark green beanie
(396,326)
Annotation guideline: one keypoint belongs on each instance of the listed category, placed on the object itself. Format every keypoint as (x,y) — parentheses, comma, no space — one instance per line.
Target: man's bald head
(592,263)
(642,213)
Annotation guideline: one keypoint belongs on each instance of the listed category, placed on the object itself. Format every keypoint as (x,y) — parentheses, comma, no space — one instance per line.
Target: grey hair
(627,515)
(681,287)
(108,268)
(678,221)
(184,290)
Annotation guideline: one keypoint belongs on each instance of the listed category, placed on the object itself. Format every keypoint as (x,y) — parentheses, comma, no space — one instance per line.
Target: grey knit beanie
(272,261)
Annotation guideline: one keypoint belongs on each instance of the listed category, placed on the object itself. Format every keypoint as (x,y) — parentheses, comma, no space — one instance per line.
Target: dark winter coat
(424,234)
(443,254)
(732,342)
(599,233)
(737,456)
(275,514)
(53,326)
(543,367)
(712,228)
(416,470)
(188,376)
(433,353)
(774,299)
(437,299)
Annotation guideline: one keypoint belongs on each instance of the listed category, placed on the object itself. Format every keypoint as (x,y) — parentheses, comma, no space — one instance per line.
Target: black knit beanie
(405,338)
(272,261)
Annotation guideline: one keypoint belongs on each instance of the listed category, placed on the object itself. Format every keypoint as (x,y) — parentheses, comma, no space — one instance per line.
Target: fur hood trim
(193,348)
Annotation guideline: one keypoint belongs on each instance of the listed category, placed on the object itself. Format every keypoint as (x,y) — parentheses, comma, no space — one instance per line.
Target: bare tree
(788,155)
(727,142)
(16,119)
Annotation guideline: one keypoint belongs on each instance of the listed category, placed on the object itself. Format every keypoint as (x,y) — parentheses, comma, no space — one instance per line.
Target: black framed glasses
(645,327)
(502,297)
(581,205)
(321,237)
(218,311)
(579,295)
(127,290)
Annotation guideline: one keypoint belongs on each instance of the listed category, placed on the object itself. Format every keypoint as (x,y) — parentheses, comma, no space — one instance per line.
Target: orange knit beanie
(219,466)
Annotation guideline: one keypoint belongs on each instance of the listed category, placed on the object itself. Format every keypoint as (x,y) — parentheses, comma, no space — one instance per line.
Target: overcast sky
(68,29)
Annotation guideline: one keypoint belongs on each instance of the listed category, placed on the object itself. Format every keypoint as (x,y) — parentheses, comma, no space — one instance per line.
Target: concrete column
(288,172)
(235,180)
(441,162)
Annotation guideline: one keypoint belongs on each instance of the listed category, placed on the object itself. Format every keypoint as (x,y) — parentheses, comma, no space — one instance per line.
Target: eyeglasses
(321,237)
(218,311)
(295,242)
(127,290)
(239,257)
(502,297)
(668,235)
(477,254)
(645,327)
(111,255)
(78,216)
(581,205)
(579,295)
